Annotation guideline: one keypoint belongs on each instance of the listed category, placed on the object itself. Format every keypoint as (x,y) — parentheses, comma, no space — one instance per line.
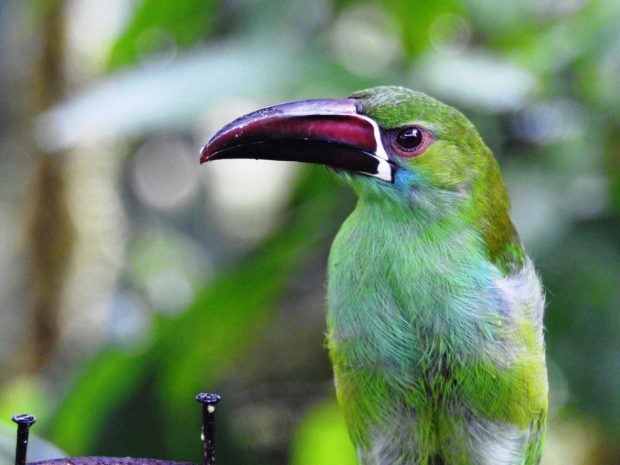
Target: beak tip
(204,155)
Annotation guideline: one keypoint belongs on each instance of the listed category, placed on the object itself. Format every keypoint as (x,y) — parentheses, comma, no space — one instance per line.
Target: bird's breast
(401,298)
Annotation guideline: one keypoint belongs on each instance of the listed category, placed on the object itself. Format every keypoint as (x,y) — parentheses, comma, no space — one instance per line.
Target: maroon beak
(328,132)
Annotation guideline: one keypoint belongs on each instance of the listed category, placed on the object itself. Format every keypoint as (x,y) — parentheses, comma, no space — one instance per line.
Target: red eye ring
(409,141)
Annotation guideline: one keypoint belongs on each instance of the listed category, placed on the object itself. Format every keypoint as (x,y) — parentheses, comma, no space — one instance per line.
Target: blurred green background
(132,279)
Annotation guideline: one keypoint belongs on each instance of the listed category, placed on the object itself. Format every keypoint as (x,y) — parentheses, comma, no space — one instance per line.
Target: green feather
(435,312)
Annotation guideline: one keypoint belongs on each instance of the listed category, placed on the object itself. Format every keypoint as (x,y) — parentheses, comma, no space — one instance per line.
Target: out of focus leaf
(132,102)
(158,25)
(191,352)
(322,438)
(416,18)
(582,319)
(613,167)
(478,80)
(225,321)
(27,394)
(106,380)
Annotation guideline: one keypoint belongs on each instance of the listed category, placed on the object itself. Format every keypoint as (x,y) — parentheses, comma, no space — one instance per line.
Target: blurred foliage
(194,350)
(583,312)
(538,78)
(322,437)
(415,19)
(158,25)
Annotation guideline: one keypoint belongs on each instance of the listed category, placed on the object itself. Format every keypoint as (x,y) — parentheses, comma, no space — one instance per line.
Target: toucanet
(435,311)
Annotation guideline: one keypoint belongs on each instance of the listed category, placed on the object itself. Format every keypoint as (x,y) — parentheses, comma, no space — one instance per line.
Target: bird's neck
(481,209)
(419,233)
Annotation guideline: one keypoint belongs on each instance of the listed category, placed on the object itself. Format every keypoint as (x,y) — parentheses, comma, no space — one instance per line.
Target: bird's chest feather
(409,299)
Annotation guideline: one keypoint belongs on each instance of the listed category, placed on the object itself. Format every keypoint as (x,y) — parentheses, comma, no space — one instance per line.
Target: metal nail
(208,402)
(24,422)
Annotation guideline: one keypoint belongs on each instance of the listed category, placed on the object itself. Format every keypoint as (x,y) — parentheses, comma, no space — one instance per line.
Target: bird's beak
(327,132)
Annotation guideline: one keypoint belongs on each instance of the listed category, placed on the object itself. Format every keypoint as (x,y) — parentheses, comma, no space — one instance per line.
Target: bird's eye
(409,138)
(410,141)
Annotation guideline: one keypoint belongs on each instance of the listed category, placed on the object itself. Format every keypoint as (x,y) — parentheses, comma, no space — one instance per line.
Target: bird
(435,311)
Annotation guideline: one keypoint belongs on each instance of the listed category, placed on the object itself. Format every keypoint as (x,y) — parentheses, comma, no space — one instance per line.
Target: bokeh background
(131,278)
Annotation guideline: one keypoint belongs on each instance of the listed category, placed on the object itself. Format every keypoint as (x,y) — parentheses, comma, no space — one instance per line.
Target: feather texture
(435,314)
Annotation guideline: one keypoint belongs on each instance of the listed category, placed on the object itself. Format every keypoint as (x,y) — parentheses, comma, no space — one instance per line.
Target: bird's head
(389,140)
(390,143)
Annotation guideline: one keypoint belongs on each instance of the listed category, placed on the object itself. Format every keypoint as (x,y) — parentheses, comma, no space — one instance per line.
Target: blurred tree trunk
(50,234)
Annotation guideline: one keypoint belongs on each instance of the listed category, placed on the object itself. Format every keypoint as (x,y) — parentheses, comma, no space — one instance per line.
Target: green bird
(434,311)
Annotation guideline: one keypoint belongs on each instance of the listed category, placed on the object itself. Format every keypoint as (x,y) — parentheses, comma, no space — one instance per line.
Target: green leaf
(224,322)
(106,380)
(158,25)
(416,18)
(190,353)
(322,438)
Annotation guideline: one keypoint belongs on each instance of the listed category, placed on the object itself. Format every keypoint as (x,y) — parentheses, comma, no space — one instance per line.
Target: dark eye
(409,141)
(410,138)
